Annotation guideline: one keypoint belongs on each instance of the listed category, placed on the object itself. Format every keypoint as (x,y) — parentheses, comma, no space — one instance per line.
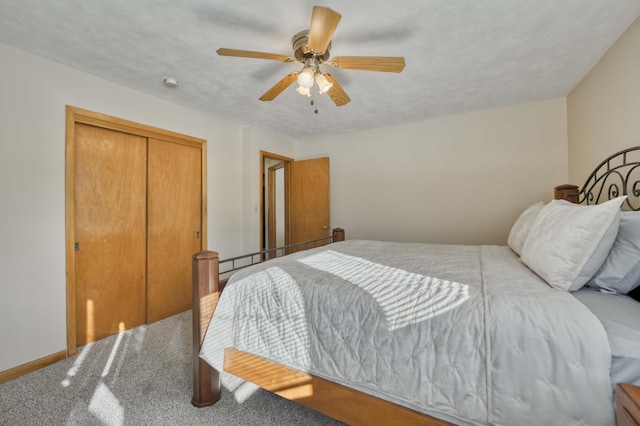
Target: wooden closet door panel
(110,230)
(174,220)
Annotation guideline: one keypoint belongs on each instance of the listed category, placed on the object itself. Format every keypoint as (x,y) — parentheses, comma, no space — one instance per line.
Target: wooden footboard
(206,292)
(332,399)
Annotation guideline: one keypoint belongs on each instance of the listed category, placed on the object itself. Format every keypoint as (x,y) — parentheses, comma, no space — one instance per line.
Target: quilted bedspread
(464,333)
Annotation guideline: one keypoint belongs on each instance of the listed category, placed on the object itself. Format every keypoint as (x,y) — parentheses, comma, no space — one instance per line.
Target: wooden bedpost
(206,291)
(206,288)
(566,192)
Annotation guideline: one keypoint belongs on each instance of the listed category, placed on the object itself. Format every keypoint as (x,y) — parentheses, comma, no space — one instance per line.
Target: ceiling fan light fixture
(304,91)
(323,84)
(305,78)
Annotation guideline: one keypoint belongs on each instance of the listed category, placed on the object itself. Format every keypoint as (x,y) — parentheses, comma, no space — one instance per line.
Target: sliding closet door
(110,220)
(174,225)
(135,215)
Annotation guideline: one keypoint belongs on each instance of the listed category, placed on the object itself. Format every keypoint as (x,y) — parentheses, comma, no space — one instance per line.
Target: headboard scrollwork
(618,174)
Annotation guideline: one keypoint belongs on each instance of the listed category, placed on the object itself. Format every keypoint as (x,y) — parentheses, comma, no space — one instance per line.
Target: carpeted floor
(139,377)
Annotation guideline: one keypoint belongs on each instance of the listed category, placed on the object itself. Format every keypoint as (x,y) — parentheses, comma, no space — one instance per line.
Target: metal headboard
(618,174)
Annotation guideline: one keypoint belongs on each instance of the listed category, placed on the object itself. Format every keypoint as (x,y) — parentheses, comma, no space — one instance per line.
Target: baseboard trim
(34,365)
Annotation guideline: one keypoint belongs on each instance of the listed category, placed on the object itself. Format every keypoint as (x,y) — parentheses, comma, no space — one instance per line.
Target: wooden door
(110,220)
(309,199)
(174,226)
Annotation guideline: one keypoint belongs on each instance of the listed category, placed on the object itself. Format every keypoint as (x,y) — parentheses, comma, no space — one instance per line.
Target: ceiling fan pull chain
(314,98)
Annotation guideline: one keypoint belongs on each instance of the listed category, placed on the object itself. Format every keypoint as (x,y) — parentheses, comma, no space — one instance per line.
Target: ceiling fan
(311,48)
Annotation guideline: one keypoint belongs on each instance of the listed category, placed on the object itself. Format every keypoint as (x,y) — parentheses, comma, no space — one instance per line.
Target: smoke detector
(170,82)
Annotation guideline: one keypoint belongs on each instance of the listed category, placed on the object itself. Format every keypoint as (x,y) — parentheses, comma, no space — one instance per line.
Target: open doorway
(304,191)
(275,206)
(274,201)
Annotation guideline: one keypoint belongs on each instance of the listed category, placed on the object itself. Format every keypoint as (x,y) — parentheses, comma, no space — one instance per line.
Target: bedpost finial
(338,235)
(566,192)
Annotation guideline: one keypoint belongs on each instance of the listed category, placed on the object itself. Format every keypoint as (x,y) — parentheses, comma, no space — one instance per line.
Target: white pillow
(620,272)
(522,225)
(568,242)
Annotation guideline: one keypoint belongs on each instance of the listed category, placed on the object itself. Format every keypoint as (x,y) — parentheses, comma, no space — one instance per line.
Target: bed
(535,332)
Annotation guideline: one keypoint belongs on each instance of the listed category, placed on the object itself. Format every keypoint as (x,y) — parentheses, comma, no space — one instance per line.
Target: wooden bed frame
(337,401)
(334,400)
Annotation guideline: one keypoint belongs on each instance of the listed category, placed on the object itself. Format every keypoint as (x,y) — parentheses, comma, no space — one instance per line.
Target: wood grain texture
(337,93)
(110,228)
(254,55)
(369,63)
(309,200)
(69,203)
(75,117)
(79,115)
(627,404)
(205,292)
(566,192)
(324,22)
(337,401)
(277,88)
(32,366)
(174,226)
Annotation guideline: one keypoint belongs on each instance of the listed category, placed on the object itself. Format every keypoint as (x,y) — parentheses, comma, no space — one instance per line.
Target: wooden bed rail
(206,290)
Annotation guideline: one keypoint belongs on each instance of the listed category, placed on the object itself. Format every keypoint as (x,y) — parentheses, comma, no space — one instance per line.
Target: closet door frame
(75,116)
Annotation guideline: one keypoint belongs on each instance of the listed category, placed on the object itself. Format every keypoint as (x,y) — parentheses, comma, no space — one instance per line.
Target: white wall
(33,95)
(459,179)
(604,109)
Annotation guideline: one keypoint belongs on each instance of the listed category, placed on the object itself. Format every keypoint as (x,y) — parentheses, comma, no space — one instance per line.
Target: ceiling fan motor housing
(301,51)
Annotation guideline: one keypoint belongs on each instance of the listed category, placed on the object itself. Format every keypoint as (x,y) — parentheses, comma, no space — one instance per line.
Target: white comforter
(464,333)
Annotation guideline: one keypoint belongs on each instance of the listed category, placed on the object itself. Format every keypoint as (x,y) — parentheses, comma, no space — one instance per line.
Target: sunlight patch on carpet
(77,364)
(106,407)
(241,389)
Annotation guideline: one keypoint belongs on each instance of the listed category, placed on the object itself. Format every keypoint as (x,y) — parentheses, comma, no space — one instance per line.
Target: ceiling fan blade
(279,87)
(324,22)
(337,93)
(255,55)
(369,63)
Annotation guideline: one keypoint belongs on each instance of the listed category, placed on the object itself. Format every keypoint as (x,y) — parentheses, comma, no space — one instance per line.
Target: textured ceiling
(461,55)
